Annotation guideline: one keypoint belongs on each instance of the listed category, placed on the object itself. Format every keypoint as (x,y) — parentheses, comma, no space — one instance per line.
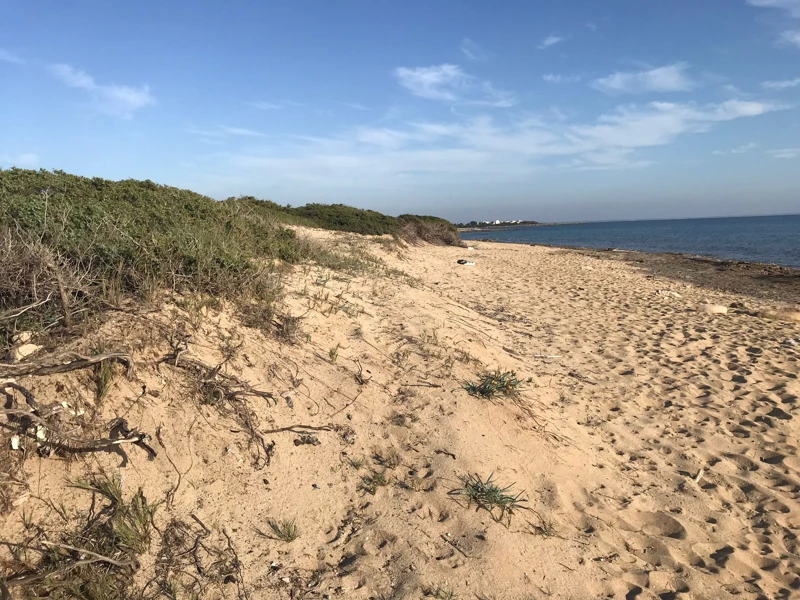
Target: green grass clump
(285,530)
(98,560)
(494,384)
(370,483)
(499,501)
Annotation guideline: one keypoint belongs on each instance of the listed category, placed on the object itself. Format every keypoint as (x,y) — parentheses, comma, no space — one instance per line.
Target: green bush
(67,242)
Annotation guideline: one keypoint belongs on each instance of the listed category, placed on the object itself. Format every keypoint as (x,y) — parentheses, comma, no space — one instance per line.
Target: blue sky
(570,110)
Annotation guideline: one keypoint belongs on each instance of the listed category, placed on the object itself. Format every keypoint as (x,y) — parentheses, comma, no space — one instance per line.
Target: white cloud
(440,82)
(781,85)
(472,50)
(482,148)
(241,131)
(117,100)
(785,153)
(222,131)
(355,105)
(450,83)
(745,148)
(555,78)
(669,78)
(266,105)
(791,6)
(8,57)
(791,37)
(550,40)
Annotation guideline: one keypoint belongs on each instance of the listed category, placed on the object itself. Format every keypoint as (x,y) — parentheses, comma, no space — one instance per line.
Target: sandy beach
(655,445)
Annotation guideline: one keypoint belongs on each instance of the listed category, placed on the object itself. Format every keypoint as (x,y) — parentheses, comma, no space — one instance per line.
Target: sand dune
(656,444)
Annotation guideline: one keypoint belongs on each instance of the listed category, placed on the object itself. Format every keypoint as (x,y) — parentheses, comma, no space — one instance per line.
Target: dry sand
(656,444)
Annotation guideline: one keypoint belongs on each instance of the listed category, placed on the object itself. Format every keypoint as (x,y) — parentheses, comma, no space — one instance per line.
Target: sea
(773,239)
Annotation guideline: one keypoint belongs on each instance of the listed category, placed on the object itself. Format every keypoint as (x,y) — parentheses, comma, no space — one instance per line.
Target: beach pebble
(713,309)
(21,352)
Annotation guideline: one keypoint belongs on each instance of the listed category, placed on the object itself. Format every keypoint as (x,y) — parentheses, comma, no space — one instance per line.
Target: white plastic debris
(15,442)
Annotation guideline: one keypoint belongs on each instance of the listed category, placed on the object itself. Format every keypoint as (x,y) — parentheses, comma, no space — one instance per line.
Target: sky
(467,109)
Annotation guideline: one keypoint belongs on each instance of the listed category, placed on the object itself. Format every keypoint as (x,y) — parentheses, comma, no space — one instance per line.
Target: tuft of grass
(500,502)
(356,462)
(491,385)
(333,354)
(370,483)
(100,558)
(285,530)
(131,521)
(390,459)
(545,528)
(103,378)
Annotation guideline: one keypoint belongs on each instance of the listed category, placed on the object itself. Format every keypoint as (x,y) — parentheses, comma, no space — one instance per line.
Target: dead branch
(17,312)
(65,363)
(224,388)
(41,415)
(231,385)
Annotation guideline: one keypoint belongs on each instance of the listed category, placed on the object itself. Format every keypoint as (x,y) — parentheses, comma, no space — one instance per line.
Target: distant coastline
(511,227)
(766,240)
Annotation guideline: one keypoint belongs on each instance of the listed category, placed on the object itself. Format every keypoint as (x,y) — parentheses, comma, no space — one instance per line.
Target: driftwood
(65,363)
(45,417)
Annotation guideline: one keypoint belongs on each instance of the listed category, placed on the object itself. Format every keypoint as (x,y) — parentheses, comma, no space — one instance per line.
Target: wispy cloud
(450,83)
(745,148)
(791,38)
(266,105)
(222,131)
(785,153)
(472,149)
(550,40)
(241,131)
(9,57)
(555,78)
(117,100)
(472,50)
(790,6)
(591,26)
(781,85)
(355,105)
(669,78)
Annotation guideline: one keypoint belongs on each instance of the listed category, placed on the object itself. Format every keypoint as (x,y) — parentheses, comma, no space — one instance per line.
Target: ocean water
(753,239)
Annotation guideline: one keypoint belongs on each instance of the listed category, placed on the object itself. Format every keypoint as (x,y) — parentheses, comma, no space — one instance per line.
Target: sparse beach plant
(333,354)
(499,501)
(370,483)
(491,385)
(285,530)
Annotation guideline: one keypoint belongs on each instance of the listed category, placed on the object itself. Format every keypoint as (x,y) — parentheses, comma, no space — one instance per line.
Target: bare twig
(13,314)
(65,363)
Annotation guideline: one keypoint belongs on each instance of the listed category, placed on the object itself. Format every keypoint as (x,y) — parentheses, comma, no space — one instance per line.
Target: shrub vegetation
(68,243)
